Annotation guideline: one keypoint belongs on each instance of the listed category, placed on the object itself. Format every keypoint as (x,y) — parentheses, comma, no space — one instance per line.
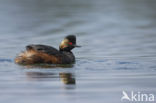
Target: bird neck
(65,50)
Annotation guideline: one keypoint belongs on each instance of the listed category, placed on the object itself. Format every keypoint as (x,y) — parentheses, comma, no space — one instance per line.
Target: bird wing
(43,48)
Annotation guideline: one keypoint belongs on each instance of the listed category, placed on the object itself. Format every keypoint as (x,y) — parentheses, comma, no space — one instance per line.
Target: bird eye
(70,43)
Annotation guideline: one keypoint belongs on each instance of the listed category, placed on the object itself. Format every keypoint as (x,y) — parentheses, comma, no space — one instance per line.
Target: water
(118,51)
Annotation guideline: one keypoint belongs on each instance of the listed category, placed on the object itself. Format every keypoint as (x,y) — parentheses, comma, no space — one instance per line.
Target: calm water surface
(118,51)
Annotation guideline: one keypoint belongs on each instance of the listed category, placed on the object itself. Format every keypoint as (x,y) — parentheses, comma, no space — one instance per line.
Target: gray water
(118,53)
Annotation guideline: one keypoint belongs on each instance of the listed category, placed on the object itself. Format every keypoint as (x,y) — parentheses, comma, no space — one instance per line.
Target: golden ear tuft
(64,43)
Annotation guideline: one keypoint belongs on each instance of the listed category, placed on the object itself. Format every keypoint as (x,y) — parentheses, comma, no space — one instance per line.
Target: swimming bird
(39,54)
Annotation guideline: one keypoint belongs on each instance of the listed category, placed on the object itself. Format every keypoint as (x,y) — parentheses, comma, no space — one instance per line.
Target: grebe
(39,54)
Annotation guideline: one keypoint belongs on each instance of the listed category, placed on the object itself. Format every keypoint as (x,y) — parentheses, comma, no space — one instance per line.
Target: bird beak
(77,46)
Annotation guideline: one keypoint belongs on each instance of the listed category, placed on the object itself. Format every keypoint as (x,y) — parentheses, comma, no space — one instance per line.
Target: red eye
(70,43)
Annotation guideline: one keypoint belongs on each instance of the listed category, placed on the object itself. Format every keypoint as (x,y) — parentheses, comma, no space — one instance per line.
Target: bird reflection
(66,78)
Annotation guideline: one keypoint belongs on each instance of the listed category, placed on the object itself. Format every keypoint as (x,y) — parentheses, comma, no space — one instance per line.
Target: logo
(137,96)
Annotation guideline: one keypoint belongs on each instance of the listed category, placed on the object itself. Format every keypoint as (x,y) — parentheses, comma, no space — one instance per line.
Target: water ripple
(6,60)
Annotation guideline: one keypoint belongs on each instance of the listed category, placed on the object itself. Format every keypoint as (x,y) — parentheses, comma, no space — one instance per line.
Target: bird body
(35,54)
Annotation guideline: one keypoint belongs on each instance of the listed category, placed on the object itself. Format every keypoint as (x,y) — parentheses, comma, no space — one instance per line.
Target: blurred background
(118,39)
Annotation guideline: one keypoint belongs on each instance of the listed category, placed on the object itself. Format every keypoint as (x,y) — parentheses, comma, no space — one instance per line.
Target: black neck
(65,49)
